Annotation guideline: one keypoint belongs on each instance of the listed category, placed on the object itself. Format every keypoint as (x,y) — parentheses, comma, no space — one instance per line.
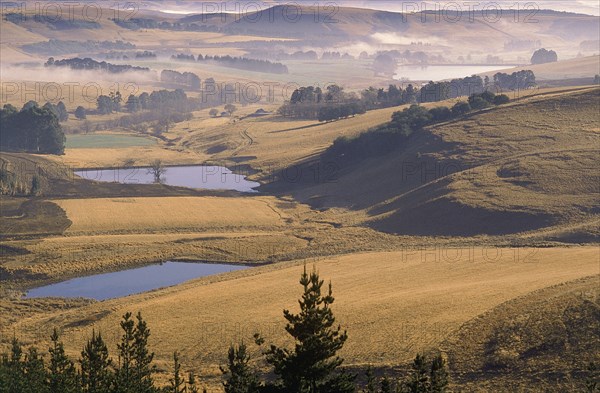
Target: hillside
(516,168)
(548,335)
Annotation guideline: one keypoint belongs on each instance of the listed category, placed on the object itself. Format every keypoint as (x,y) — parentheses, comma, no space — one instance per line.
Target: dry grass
(392,304)
(164,214)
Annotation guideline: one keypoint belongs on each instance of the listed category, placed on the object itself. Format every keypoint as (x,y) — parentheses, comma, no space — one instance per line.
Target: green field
(106,141)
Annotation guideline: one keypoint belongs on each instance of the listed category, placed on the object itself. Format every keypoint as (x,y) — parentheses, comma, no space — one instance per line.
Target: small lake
(128,282)
(196,176)
(442,72)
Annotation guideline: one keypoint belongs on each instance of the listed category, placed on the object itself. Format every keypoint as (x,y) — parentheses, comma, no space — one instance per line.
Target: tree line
(312,365)
(32,129)
(91,64)
(188,79)
(403,124)
(333,103)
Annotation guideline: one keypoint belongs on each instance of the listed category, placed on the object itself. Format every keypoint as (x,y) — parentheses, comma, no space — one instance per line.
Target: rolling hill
(518,168)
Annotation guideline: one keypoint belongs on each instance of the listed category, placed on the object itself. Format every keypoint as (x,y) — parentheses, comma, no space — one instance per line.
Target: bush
(476,102)
(440,113)
(461,108)
(501,99)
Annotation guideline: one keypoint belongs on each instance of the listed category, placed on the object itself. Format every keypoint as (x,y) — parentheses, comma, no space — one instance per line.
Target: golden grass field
(393,304)
(444,260)
(164,214)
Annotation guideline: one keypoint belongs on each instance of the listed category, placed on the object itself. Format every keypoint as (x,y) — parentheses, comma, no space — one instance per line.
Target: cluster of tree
(312,365)
(542,56)
(175,100)
(59,110)
(54,46)
(229,109)
(384,139)
(439,91)
(187,79)
(109,103)
(145,55)
(53,22)
(114,55)
(314,103)
(183,57)
(146,23)
(247,64)
(520,80)
(340,111)
(91,64)
(597,79)
(32,129)
(336,56)
(14,183)
(374,98)
(97,373)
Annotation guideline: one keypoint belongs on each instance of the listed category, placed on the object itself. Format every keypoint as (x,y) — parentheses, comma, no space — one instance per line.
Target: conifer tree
(142,358)
(124,373)
(62,375)
(439,375)
(313,365)
(96,376)
(192,388)
(35,372)
(14,368)
(177,382)
(370,387)
(418,381)
(239,376)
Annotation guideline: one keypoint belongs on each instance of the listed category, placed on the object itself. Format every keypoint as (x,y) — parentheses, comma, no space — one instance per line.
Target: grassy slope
(546,339)
(516,168)
(393,304)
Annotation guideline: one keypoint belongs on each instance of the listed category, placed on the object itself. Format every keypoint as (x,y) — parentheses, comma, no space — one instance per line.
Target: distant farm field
(106,141)
(157,214)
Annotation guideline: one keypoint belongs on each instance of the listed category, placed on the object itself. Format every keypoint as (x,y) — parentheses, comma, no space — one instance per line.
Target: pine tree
(192,388)
(124,373)
(439,375)
(96,376)
(62,376)
(142,358)
(14,368)
(418,381)
(35,372)
(313,365)
(370,387)
(177,383)
(240,377)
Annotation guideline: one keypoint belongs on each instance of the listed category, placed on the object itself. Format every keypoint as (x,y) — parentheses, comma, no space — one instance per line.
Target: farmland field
(106,141)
